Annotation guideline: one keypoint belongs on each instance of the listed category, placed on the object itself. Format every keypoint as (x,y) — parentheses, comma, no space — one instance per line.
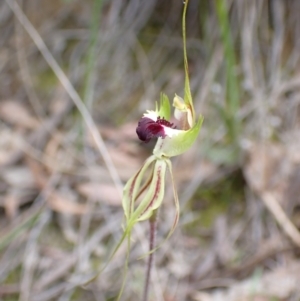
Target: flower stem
(153,224)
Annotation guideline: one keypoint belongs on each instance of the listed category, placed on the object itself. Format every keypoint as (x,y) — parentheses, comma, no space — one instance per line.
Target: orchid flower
(171,142)
(142,197)
(144,192)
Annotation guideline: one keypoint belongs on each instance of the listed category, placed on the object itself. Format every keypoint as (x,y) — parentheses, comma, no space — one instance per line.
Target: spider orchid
(143,195)
(144,192)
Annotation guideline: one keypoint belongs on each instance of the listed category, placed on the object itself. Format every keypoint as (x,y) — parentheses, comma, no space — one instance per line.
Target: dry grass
(67,143)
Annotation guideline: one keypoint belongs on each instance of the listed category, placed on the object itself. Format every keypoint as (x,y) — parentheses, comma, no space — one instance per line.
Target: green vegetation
(218,198)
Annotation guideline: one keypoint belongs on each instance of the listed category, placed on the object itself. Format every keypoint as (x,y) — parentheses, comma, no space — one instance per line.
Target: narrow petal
(183,112)
(176,200)
(177,211)
(154,195)
(156,191)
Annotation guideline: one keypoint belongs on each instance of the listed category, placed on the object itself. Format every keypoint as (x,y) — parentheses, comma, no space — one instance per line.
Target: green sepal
(164,107)
(178,144)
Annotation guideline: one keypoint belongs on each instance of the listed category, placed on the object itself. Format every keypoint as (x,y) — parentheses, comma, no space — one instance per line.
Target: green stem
(187,90)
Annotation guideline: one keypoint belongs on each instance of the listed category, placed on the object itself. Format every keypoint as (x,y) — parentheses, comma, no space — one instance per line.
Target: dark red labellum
(148,128)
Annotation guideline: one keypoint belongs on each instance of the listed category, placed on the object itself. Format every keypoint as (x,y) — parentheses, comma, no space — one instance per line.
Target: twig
(40,44)
(288,227)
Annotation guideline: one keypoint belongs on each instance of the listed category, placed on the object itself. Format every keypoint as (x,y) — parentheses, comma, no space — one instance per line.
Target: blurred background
(62,164)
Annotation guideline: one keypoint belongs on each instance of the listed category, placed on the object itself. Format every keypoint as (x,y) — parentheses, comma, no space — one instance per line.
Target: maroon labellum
(148,128)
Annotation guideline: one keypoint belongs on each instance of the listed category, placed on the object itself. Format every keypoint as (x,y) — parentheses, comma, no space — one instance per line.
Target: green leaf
(125,272)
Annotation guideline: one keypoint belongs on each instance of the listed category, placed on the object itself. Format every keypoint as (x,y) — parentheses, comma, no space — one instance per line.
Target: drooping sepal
(153,196)
(133,188)
(151,191)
